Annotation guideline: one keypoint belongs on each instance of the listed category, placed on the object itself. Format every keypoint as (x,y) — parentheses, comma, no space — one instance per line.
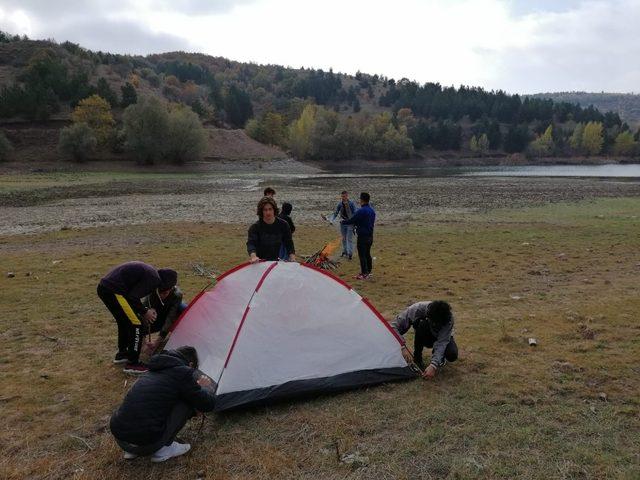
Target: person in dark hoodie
(433,326)
(159,404)
(285,215)
(269,234)
(121,290)
(169,306)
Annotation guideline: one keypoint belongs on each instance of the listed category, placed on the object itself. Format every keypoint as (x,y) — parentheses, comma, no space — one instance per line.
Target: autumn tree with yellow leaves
(95,111)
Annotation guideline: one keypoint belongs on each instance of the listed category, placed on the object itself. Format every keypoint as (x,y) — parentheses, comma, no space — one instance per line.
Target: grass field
(566,274)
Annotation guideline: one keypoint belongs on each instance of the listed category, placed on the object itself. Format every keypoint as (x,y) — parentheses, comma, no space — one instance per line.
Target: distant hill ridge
(627,105)
(312,113)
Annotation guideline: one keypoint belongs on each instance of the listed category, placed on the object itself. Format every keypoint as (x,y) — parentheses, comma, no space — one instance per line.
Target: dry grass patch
(564,274)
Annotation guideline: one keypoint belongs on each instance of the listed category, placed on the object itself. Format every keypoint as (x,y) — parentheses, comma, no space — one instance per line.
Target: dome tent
(275,330)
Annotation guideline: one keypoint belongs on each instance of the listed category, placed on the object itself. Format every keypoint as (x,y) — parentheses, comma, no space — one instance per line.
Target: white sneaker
(130,456)
(174,450)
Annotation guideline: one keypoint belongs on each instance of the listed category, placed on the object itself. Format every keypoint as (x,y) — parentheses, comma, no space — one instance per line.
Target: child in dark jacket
(285,215)
(159,405)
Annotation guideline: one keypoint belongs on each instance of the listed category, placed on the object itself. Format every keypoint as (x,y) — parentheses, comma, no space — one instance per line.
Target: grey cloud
(87,23)
(589,49)
(48,10)
(525,7)
(118,37)
(191,7)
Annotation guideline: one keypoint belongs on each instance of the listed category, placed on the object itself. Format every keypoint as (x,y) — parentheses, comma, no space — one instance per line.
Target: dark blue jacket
(142,417)
(363,219)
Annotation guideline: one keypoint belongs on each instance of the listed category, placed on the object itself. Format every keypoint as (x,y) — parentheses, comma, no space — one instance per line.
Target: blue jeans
(347,239)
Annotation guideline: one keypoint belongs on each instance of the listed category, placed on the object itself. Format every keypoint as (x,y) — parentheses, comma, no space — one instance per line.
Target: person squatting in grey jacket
(433,326)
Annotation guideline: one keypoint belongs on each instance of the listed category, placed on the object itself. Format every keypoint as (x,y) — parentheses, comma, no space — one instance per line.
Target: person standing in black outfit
(121,290)
(364,220)
(269,234)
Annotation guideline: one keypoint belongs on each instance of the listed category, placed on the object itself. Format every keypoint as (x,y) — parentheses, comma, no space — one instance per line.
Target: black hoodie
(141,419)
(286,215)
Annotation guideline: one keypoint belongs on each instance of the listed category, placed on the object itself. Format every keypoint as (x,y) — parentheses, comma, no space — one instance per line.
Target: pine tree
(105,91)
(129,95)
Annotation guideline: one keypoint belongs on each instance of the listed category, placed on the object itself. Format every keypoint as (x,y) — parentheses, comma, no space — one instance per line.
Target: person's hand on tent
(408,356)
(430,372)
(254,258)
(292,257)
(204,381)
(153,345)
(150,316)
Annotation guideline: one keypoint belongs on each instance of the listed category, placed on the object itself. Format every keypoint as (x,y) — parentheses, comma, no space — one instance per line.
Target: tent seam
(244,317)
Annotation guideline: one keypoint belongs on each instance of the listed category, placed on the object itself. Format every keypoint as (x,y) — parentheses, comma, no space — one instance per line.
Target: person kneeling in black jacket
(159,405)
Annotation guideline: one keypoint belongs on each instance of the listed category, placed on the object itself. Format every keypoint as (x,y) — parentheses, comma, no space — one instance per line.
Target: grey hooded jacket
(417,313)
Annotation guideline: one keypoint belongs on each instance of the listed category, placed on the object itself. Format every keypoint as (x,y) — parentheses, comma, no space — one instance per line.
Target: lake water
(611,170)
(584,171)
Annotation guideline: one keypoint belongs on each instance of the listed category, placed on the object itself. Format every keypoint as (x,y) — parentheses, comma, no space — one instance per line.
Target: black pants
(130,329)
(427,340)
(364,254)
(176,421)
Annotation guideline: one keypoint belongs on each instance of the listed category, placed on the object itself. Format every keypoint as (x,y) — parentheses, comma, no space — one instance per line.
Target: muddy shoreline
(222,193)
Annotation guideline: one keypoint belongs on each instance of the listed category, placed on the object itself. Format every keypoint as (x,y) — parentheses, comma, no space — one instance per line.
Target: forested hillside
(627,105)
(314,114)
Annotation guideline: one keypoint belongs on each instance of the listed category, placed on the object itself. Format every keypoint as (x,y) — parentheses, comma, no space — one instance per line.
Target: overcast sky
(520,46)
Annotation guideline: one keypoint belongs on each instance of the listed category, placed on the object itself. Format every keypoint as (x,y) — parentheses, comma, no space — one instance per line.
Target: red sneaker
(135,368)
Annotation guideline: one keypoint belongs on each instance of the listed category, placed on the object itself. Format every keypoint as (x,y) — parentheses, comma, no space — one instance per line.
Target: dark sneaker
(135,368)
(343,254)
(350,257)
(121,357)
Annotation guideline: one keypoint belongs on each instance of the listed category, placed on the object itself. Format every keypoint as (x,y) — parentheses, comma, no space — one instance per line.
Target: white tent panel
(302,325)
(211,322)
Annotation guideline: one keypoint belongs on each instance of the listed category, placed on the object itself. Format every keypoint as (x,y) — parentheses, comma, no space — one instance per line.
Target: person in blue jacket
(364,220)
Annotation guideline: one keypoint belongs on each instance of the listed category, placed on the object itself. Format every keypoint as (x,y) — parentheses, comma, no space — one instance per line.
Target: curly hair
(265,201)
(439,312)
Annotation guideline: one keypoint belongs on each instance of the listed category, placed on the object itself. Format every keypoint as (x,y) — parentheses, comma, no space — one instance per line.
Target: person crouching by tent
(269,234)
(285,215)
(121,290)
(169,306)
(432,323)
(159,404)
(364,220)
